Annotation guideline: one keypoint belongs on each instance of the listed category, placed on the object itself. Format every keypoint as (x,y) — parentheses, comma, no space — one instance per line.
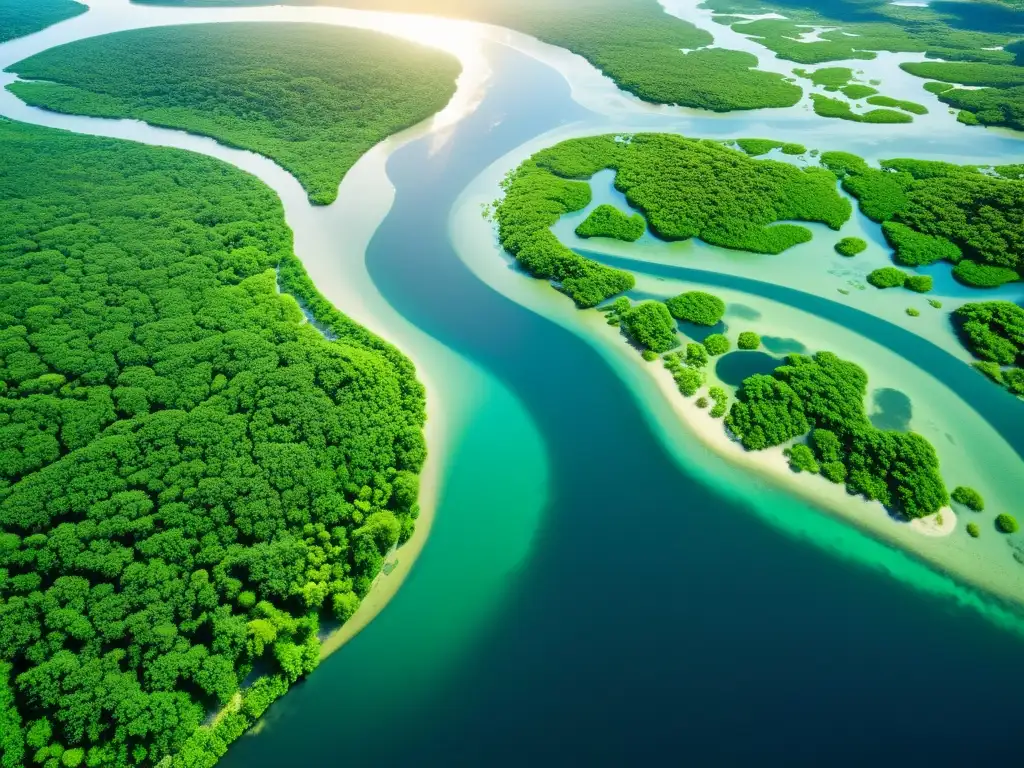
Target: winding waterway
(598,587)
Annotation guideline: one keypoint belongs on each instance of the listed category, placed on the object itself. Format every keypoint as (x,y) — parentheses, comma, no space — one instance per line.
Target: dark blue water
(653,621)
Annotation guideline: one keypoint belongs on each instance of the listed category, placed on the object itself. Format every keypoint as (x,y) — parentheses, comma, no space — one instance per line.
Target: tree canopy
(191,474)
(23,17)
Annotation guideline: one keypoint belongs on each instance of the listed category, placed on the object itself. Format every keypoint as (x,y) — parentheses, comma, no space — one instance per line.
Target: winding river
(597,586)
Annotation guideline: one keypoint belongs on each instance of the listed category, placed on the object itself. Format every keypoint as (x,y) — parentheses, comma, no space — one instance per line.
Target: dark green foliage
(973,530)
(686,188)
(716,344)
(650,325)
(697,307)
(855,91)
(1006,523)
(721,398)
(887,277)
(988,106)
(190,473)
(801,459)
(914,249)
(967,72)
(919,283)
(981,215)
(906,106)
(828,107)
(1014,380)
(748,340)
(313,98)
(850,246)
(967,118)
(23,17)
(609,221)
(993,330)
(969,497)
(827,394)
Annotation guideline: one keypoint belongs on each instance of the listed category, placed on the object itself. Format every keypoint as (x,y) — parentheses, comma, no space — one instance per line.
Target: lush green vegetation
(826,394)
(967,73)
(313,98)
(697,307)
(988,106)
(609,221)
(758,147)
(937,87)
(935,210)
(696,355)
(913,312)
(887,277)
(998,98)
(1006,523)
(830,78)
(634,42)
(994,333)
(973,530)
(801,459)
(827,107)
(748,340)
(906,106)
(23,17)
(190,473)
(918,283)
(716,344)
(689,378)
(850,246)
(686,188)
(856,91)
(969,497)
(651,326)
(721,399)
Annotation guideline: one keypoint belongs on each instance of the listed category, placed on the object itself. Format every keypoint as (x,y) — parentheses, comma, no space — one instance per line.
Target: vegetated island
(609,221)
(191,474)
(994,333)
(684,187)
(313,98)
(23,17)
(644,50)
(837,108)
(932,211)
(995,92)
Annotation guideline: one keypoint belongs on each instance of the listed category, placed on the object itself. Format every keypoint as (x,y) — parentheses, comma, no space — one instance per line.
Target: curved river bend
(595,590)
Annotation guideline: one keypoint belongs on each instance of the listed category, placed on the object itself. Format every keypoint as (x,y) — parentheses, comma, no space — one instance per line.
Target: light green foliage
(967,73)
(1014,379)
(686,188)
(313,98)
(826,394)
(993,331)
(1014,171)
(887,277)
(915,249)
(850,246)
(937,87)
(828,107)
(721,398)
(832,78)
(696,355)
(702,402)
(688,379)
(856,91)
(935,303)
(969,497)
(973,530)
(23,17)
(980,216)
(758,147)
(189,468)
(716,344)
(651,326)
(748,340)
(967,118)
(988,106)
(913,312)
(918,283)
(609,221)
(1006,523)
(801,459)
(906,106)
(697,307)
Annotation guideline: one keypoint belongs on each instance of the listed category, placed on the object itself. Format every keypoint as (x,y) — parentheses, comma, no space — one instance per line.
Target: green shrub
(983,275)
(748,340)
(716,344)
(835,471)
(969,497)
(609,221)
(973,530)
(651,326)
(702,402)
(1007,523)
(689,380)
(649,355)
(913,312)
(919,283)
(697,307)
(696,355)
(887,277)
(721,398)
(935,303)
(993,330)
(850,246)
(801,459)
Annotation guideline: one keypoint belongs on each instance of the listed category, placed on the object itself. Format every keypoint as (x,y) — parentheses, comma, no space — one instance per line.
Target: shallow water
(597,587)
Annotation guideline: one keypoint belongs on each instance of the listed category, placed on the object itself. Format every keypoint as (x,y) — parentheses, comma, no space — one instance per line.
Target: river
(597,588)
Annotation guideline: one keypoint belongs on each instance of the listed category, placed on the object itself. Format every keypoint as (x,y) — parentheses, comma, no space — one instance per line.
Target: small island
(609,221)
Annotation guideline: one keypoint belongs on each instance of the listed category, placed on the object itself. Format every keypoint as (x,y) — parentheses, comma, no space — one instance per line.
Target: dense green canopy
(23,17)
(312,98)
(609,221)
(826,394)
(190,472)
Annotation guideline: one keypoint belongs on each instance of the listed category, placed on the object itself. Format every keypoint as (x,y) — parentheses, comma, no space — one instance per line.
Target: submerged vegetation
(191,474)
(824,396)
(609,221)
(311,97)
(23,17)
